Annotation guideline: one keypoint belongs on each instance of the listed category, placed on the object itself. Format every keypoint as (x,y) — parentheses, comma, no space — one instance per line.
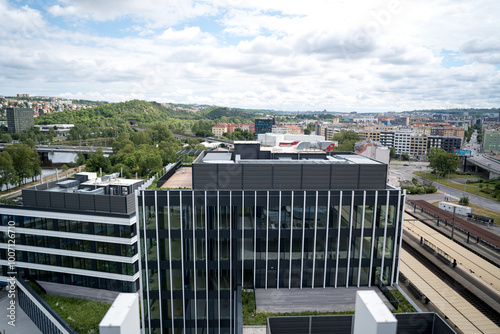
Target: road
(399,171)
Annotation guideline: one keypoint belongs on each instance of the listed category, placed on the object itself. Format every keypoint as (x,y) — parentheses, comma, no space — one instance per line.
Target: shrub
(464,201)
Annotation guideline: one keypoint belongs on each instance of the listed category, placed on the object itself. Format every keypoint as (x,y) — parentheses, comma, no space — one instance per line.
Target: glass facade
(197,247)
(84,253)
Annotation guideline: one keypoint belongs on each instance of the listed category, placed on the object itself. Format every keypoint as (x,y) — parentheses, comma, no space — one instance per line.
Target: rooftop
(85,192)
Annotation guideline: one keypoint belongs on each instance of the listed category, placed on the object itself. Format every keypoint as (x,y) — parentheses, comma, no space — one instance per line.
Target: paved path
(24,325)
(319,299)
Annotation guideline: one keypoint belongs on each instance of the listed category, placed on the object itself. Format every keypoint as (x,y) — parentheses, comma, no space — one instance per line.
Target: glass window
(150,218)
(224,217)
(322,217)
(346,216)
(177,279)
(368,216)
(249,218)
(176,249)
(175,218)
(273,249)
(199,212)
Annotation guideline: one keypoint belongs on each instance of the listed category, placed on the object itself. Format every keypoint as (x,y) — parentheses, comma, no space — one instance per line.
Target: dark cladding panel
(130,202)
(287,177)
(344,177)
(315,177)
(72,201)
(86,202)
(118,204)
(257,176)
(373,176)
(320,325)
(230,176)
(56,200)
(407,323)
(42,199)
(29,198)
(102,203)
(205,176)
(247,151)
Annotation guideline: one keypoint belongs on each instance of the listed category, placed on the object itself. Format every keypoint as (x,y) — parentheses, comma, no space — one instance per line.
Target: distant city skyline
(368,56)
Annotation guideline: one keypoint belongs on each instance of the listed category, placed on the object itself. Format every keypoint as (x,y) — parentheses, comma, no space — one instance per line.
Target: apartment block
(19,119)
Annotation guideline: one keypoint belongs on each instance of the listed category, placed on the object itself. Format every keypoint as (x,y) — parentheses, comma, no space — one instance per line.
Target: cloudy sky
(275,54)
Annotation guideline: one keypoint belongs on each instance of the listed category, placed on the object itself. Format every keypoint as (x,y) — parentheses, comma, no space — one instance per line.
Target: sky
(365,56)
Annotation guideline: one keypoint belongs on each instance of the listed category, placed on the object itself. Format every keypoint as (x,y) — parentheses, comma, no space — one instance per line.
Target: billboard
(462,153)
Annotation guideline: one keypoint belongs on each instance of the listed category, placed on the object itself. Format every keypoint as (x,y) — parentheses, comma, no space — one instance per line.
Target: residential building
(449,144)
(263,125)
(329,133)
(387,138)
(418,145)
(373,150)
(19,119)
(279,130)
(404,121)
(402,142)
(374,135)
(263,219)
(79,231)
(219,129)
(293,130)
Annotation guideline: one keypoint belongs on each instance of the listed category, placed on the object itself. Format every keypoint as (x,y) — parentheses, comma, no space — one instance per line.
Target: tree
(392,153)
(307,131)
(97,160)
(25,160)
(64,168)
(5,138)
(442,162)
(7,171)
(464,200)
(80,159)
(405,157)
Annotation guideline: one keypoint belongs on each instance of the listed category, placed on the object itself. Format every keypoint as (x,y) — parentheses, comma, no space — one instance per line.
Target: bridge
(486,163)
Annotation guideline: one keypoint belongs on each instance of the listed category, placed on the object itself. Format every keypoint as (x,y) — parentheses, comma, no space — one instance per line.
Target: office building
(257,218)
(264,125)
(79,231)
(491,140)
(19,119)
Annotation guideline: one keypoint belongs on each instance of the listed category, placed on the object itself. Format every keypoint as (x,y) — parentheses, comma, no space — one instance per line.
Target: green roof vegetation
(81,314)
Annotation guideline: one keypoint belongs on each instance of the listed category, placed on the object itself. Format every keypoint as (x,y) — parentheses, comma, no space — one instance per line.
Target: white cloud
(293,55)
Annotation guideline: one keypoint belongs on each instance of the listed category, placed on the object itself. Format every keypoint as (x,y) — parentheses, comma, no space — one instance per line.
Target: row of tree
(141,152)
(18,162)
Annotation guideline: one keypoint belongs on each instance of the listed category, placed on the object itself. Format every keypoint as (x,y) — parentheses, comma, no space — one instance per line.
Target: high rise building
(263,125)
(19,119)
(256,218)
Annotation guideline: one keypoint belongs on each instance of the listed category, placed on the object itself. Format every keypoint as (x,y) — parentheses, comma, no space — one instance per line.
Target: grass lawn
(470,188)
(81,314)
